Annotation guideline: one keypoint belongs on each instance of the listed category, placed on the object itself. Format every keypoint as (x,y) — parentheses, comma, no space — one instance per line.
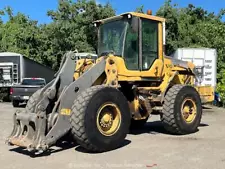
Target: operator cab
(136,37)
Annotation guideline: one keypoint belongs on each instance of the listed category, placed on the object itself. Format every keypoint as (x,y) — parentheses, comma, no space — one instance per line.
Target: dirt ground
(149,147)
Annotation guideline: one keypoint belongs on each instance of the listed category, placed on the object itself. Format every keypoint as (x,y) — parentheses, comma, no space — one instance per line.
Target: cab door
(143,50)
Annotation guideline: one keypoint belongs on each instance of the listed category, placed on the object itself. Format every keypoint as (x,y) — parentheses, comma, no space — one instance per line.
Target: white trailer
(205,59)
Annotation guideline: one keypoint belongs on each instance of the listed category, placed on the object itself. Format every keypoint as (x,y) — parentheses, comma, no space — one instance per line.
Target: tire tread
(168,118)
(77,118)
(33,101)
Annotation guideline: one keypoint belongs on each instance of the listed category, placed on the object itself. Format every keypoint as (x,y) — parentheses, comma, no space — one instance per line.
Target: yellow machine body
(98,100)
(162,74)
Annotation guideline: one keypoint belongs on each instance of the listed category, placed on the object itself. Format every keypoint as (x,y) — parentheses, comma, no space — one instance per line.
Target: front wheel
(182,110)
(100,118)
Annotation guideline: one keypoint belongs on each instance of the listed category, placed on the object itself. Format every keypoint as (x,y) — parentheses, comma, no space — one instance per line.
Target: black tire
(84,115)
(15,103)
(172,118)
(33,101)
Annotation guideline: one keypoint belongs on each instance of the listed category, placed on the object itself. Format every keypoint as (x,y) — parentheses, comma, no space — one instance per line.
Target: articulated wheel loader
(97,101)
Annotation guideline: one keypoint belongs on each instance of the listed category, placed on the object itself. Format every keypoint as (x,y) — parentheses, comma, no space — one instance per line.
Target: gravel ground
(150,147)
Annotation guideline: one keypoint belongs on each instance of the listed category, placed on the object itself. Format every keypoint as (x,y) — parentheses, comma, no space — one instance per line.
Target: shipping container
(205,60)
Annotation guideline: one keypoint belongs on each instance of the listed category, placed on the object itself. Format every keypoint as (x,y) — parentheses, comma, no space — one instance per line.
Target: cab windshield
(111,37)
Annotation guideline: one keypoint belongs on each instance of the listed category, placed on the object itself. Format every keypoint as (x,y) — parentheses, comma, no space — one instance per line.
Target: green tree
(20,34)
(72,27)
(169,12)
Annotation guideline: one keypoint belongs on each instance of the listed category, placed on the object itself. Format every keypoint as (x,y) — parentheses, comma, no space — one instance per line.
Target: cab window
(131,50)
(149,43)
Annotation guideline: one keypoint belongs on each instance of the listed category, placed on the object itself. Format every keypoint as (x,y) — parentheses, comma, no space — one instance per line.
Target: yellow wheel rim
(189,110)
(108,119)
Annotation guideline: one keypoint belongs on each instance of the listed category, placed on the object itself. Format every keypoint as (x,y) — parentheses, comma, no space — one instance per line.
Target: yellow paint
(188,110)
(66,112)
(81,66)
(206,93)
(108,119)
(134,105)
(160,40)
(135,75)
(146,16)
(111,71)
(162,68)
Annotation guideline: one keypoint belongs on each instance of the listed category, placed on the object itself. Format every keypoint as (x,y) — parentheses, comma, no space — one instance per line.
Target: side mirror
(135,24)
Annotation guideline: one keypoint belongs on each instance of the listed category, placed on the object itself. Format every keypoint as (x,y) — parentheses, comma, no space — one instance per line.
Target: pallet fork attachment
(40,129)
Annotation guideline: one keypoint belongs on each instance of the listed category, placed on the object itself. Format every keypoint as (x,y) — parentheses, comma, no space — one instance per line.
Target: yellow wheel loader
(97,101)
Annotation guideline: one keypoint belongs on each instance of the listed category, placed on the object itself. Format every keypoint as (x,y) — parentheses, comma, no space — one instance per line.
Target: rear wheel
(100,118)
(15,103)
(182,110)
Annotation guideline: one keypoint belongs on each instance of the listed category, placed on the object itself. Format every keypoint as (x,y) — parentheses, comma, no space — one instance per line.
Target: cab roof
(141,15)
